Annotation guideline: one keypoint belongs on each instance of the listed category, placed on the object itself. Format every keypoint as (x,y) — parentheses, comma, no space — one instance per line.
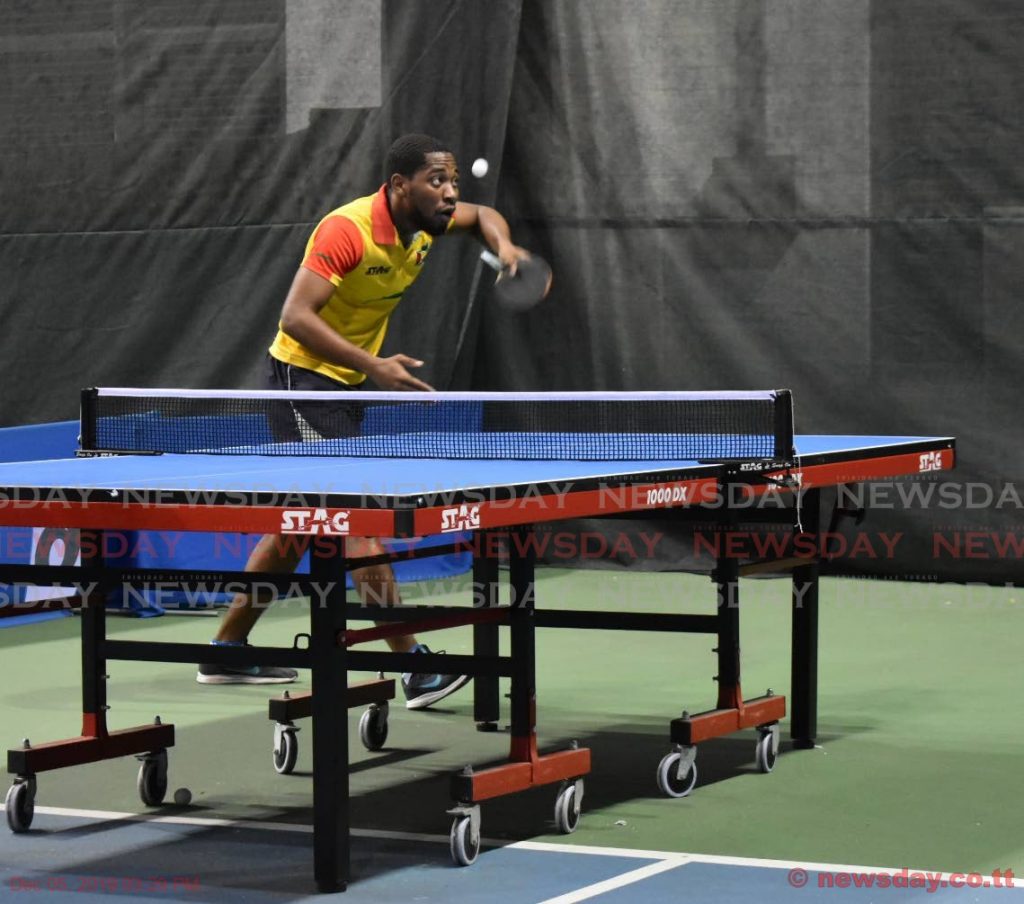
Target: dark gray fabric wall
(162,163)
(819,194)
(824,195)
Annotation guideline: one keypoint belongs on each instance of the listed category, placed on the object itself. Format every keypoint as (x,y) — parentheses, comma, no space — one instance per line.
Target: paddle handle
(492,260)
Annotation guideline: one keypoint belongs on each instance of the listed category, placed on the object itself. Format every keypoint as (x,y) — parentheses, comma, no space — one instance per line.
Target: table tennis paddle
(521,290)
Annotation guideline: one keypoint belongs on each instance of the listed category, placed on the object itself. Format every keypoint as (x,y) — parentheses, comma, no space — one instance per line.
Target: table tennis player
(358,262)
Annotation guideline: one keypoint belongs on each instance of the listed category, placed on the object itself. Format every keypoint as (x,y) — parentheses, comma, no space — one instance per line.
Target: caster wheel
(21,804)
(568,807)
(373,726)
(670,783)
(286,749)
(463,845)
(766,752)
(152,781)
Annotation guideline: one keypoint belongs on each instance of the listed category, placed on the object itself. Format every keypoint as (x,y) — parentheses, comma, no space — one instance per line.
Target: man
(359,260)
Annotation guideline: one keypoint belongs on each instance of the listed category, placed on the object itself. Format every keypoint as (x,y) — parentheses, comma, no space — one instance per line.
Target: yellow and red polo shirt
(356,247)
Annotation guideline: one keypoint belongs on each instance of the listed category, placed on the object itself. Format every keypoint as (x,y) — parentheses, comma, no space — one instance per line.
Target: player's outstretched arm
(491,228)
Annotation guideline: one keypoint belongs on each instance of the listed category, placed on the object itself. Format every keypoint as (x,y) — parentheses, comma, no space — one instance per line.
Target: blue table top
(377,476)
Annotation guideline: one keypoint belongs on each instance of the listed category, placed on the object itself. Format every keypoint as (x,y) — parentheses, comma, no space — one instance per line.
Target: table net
(623,426)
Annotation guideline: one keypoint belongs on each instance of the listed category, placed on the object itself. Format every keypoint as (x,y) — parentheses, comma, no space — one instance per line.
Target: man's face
(432,192)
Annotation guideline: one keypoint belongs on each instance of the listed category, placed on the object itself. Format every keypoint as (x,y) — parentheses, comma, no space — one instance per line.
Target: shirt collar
(384,231)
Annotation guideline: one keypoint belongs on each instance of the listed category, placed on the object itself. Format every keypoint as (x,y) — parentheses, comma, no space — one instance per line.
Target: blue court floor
(87,856)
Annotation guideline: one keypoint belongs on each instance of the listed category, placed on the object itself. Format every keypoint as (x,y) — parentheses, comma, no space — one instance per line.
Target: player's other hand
(392,374)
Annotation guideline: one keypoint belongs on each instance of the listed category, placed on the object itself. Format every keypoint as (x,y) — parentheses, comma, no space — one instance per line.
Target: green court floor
(920,735)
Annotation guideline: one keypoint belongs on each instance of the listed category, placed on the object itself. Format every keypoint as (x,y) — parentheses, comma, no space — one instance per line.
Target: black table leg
(486,698)
(330,716)
(803,725)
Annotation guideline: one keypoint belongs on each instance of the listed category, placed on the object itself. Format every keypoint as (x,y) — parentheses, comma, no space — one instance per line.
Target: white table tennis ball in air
(479,168)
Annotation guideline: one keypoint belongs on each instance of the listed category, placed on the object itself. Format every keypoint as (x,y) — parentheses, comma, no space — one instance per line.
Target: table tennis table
(217,484)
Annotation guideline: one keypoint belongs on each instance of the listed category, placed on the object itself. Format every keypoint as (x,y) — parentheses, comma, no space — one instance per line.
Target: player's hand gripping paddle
(521,290)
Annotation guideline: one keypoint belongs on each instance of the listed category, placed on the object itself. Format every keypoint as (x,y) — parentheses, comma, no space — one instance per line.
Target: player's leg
(376,586)
(288,423)
(274,554)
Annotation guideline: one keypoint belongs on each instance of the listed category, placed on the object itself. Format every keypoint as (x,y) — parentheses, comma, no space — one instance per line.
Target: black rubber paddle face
(526,288)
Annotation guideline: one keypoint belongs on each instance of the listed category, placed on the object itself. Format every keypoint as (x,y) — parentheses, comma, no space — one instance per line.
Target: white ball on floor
(479,168)
(182,797)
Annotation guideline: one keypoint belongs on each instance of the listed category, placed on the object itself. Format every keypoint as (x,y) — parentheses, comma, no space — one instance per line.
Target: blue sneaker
(423,690)
(210,673)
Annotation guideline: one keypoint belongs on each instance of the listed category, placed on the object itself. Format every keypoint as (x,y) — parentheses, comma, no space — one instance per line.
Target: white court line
(620,881)
(208,822)
(198,821)
(678,859)
(665,859)
(559,848)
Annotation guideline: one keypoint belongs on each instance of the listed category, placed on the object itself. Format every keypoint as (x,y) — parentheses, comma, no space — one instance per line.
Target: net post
(87,419)
(784,448)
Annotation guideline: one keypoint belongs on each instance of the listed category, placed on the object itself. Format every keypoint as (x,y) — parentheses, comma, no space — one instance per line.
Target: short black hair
(409,153)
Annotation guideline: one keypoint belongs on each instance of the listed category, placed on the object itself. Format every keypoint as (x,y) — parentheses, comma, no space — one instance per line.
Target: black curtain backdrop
(823,195)
(163,162)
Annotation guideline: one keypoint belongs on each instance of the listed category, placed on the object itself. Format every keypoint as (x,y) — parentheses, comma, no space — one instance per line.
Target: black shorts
(304,421)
